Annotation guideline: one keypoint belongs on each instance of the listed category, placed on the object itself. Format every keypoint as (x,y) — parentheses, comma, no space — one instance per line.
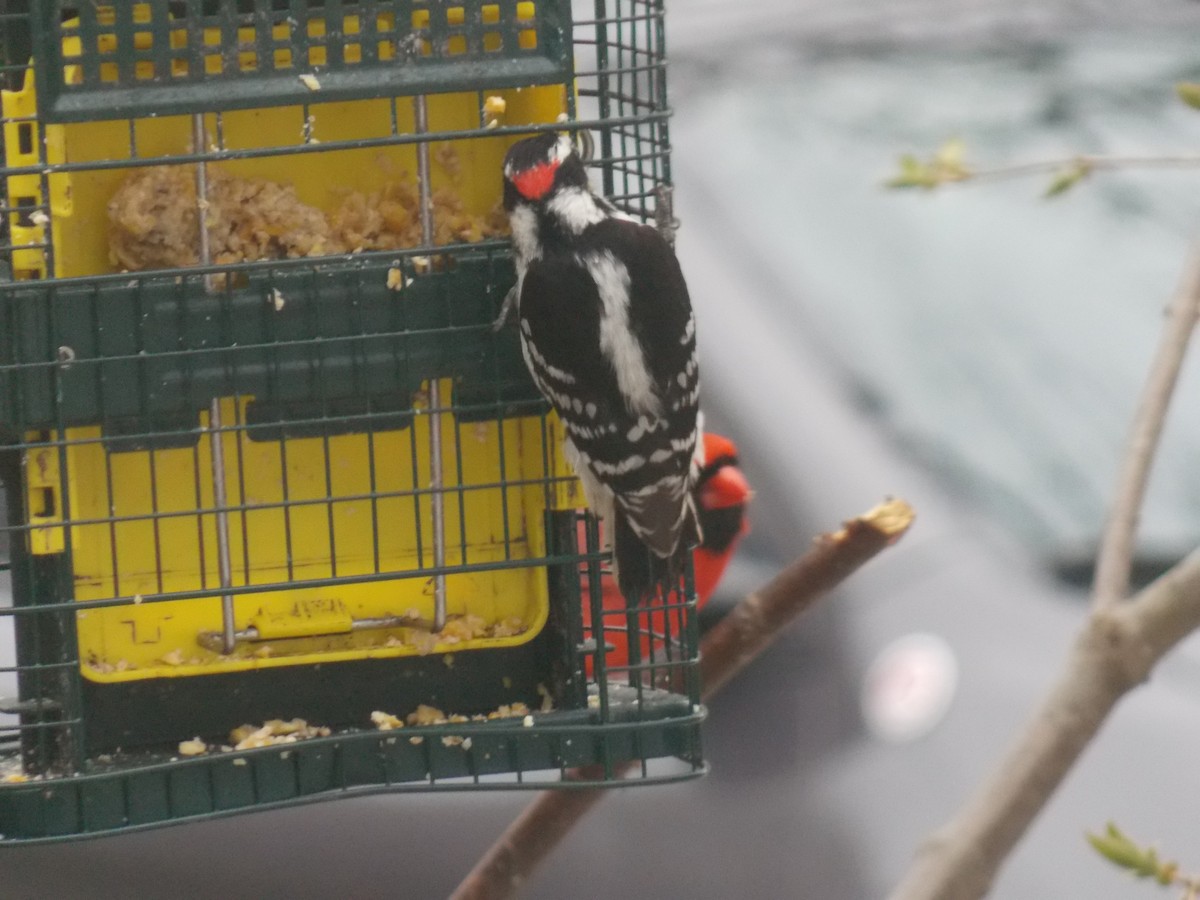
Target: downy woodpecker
(608,335)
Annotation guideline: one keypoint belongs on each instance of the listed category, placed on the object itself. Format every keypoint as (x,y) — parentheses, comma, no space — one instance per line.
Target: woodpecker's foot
(510,300)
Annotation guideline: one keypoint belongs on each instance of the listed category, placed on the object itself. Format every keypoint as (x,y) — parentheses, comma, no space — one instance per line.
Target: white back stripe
(618,343)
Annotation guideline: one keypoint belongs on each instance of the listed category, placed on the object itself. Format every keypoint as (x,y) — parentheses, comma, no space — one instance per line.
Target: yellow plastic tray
(176,550)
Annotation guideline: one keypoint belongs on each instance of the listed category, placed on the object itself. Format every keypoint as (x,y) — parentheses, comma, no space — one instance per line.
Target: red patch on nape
(534,183)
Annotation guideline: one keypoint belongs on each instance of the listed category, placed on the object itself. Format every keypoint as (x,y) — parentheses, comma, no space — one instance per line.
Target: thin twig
(748,629)
(1091,162)
(1115,559)
(759,619)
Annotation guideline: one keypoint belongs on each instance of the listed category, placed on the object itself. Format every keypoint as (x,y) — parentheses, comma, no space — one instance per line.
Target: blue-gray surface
(1002,338)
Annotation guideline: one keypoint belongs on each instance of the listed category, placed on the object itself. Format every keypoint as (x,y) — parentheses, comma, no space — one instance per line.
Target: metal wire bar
(656,15)
(461,492)
(223,563)
(287,506)
(113,542)
(274,587)
(326,458)
(525,407)
(362,261)
(220,500)
(58,748)
(32,667)
(198,501)
(436,475)
(594,598)
(193,354)
(251,634)
(223,155)
(259,506)
(241,476)
(153,470)
(605,108)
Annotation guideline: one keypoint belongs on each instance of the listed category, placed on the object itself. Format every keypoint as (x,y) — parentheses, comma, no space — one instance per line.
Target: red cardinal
(722,493)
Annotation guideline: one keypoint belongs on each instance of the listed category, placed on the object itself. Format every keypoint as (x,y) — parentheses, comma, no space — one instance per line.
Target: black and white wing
(608,334)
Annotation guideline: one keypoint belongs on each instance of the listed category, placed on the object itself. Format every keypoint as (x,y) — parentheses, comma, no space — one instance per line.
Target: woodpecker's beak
(727,487)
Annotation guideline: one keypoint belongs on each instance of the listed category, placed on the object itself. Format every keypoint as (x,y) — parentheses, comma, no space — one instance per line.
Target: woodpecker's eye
(535,182)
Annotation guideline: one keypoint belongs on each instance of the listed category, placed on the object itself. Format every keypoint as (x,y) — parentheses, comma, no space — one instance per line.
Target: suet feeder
(265,458)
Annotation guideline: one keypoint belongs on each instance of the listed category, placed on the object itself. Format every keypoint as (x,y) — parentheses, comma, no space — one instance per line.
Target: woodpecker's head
(538,167)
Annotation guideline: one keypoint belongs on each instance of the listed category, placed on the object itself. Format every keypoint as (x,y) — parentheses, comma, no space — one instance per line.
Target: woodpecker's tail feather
(640,572)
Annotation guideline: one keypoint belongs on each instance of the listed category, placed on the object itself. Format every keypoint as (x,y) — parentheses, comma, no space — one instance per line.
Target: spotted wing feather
(629,407)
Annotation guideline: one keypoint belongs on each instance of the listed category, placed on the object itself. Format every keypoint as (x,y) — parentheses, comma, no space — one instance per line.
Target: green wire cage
(286,518)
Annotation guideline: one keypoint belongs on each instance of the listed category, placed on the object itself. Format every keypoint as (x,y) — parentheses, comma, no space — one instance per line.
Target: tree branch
(1119,645)
(1115,559)
(748,629)
(1114,653)
(1164,613)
